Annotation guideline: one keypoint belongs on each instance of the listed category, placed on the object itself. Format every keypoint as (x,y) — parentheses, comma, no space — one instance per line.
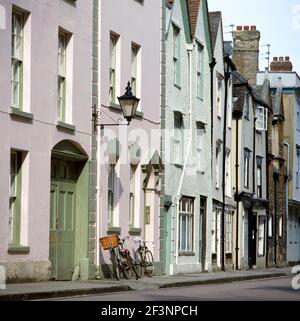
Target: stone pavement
(52,289)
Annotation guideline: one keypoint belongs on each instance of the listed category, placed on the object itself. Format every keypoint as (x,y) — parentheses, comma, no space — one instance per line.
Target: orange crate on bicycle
(109,241)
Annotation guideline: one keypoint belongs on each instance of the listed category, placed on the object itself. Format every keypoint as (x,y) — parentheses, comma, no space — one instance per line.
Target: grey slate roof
(215,19)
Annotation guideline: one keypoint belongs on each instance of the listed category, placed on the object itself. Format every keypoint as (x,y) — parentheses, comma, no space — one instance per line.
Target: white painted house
(186,125)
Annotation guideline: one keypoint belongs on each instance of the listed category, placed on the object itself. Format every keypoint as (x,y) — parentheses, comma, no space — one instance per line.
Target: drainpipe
(287,179)
(190,136)
(254,156)
(275,219)
(212,66)
(98,165)
(237,194)
(287,190)
(253,173)
(268,196)
(227,76)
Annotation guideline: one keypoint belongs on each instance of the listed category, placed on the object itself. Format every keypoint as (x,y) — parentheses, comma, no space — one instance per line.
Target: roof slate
(215,19)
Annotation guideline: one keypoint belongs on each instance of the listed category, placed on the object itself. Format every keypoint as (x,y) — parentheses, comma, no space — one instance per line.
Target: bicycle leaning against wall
(122,262)
(144,258)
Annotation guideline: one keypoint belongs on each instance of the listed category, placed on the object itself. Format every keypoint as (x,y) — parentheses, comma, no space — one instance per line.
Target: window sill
(186,254)
(64,126)
(113,229)
(135,231)
(18,249)
(115,106)
(21,114)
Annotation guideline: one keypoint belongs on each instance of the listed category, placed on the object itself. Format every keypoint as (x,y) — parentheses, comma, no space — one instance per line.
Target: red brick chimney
(281,64)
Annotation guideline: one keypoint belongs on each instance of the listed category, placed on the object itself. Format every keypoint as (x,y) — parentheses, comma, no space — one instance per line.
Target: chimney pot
(253,27)
(281,64)
(246,28)
(239,28)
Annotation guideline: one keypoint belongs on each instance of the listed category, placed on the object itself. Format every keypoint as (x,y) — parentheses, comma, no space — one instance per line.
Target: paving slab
(52,289)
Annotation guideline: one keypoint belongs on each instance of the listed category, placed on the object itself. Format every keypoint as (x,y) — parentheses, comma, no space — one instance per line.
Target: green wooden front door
(62,225)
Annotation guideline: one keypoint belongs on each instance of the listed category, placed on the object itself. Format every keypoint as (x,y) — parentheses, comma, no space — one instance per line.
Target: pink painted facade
(139,23)
(37,136)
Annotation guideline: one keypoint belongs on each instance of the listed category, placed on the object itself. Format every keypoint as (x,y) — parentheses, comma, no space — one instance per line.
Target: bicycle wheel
(115,264)
(125,268)
(149,263)
(132,266)
(138,263)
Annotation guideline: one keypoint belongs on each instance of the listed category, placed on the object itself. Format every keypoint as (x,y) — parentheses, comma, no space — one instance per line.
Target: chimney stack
(246,51)
(281,64)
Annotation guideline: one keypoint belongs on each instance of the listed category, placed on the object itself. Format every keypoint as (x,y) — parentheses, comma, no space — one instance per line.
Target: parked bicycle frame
(122,262)
(144,257)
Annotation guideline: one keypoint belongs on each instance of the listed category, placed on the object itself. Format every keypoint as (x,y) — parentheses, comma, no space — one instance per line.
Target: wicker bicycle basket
(109,241)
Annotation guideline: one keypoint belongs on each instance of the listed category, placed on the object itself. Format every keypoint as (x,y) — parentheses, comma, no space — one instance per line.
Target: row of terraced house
(207,172)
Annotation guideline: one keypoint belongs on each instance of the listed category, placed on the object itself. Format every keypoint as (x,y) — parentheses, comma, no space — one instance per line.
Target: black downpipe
(254,157)
(268,196)
(237,194)
(275,220)
(212,66)
(254,185)
(227,76)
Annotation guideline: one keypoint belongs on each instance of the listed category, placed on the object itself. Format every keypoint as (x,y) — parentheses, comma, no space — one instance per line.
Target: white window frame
(176,55)
(199,146)
(17,41)
(132,196)
(261,118)
(111,193)
(229,104)
(280,226)
(259,178)
(228,174)
(62,76)
(228,232)
(270,226)
(134,68)
(199,80)
(214,232)
(218,164)
(219,91)
(261,236)
(247,157)
(114,39)
(178,139)
(186,213)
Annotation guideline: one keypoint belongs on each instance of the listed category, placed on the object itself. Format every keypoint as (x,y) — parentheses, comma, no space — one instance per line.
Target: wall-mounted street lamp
(128,103)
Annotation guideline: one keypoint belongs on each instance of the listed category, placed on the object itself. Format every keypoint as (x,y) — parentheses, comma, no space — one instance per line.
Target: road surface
(277,289)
